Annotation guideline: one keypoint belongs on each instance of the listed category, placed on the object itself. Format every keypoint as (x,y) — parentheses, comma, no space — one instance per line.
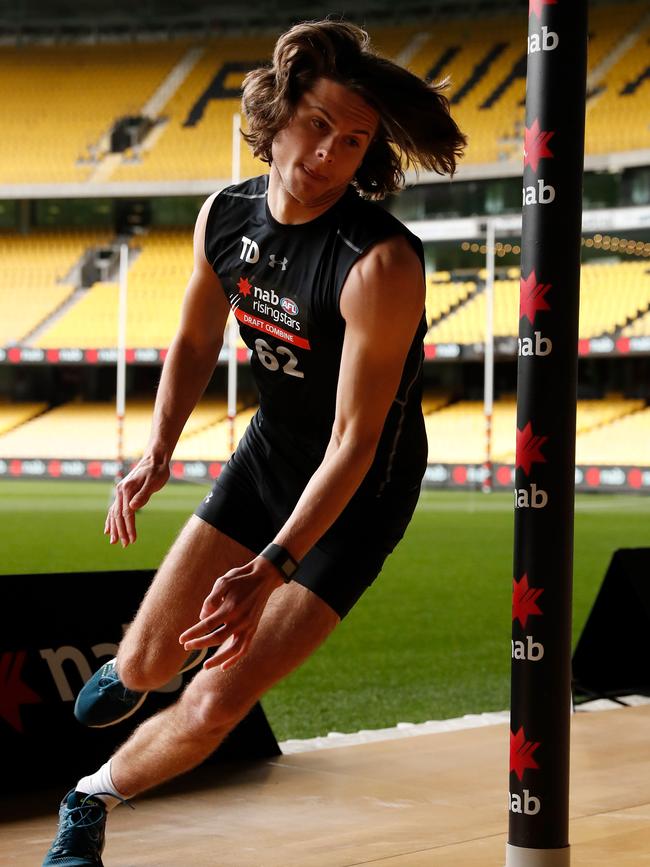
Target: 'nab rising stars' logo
(536,7)
(536,145)
(532,297)
(524,600)
(529,449)
(521,754)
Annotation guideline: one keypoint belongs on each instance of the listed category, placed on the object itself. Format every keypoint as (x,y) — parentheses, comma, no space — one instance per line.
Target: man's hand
(131,494)
(232,611)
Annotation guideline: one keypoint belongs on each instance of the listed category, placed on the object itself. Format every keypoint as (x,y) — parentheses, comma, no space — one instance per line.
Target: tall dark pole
(546,416)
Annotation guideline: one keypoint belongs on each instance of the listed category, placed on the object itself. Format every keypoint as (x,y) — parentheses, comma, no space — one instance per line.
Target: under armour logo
(209,497)
(273,262)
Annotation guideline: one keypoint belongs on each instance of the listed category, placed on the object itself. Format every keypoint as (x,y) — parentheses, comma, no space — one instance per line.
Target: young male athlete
(328,289)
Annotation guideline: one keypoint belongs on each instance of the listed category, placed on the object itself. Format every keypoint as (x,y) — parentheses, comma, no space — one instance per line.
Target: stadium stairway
(617,109)
(404,57)
(627,43)
(152,109)
(14,415)
(630,321)
(39,273)
(74,277)
(75,294)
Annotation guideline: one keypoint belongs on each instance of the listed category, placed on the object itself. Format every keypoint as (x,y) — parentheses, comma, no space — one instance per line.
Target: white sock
(100,785)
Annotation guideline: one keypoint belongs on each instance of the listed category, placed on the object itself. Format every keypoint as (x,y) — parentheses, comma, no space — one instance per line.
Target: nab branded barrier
(56,631)
(546,425)
(612,479)
(444,476)
(107,355)
(504,347)
(54,468)
(507,347)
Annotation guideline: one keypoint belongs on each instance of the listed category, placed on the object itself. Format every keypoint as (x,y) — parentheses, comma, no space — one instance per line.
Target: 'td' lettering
(250,252)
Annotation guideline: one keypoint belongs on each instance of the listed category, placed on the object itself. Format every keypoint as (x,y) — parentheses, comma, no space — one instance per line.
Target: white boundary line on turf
(409,730)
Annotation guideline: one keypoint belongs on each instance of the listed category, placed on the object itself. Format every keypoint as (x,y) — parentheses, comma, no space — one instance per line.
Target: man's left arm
(382,303)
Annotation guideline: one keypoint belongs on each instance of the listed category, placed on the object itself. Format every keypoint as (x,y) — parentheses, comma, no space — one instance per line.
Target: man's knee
(207,711)
(143,668)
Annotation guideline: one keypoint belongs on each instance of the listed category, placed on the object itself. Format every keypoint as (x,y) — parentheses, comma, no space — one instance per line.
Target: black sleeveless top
(283,283)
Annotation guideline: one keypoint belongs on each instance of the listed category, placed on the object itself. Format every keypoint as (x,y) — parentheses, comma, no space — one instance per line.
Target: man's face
(319,151)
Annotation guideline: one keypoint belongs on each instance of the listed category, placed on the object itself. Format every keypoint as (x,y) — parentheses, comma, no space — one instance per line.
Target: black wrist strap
(281,559)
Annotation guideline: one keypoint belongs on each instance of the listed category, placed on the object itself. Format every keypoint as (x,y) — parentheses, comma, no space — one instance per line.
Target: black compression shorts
(256,493)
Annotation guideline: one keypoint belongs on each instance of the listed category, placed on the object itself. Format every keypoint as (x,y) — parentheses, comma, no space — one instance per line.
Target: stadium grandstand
(118,123)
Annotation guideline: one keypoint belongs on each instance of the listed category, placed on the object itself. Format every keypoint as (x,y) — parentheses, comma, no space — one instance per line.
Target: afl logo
(289,306)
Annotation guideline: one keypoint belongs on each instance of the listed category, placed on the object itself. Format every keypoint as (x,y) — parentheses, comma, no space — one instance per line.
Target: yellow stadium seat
(89,87)
(457,432)
(60,103)
(89,431)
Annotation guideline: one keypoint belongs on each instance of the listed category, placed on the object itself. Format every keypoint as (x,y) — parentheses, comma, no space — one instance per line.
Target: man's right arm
(188,367)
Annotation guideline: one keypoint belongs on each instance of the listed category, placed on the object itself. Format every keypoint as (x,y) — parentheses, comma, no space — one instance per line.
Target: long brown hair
(415,129)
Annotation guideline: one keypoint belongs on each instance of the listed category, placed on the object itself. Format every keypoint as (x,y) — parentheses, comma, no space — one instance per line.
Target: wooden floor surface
(437,799)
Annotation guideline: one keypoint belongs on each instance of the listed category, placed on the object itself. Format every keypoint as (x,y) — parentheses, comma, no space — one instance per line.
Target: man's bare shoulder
(203,214)
(385,285)
(200,258)
(391,253)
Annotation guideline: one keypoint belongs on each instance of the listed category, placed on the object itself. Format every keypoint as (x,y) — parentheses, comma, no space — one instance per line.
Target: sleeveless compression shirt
(283,283)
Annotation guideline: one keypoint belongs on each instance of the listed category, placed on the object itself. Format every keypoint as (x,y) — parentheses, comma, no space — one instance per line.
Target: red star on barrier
(532,297)
(521,754)
(14,692)
(524,600)
(536,145)
(244,286)
(529,449)
(536,6)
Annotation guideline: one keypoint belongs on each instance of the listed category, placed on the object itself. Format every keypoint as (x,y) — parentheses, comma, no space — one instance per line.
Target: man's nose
(325,150)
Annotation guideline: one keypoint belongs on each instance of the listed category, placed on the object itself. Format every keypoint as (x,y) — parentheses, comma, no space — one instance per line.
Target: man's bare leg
(180,737)
(149,654)
(295,622)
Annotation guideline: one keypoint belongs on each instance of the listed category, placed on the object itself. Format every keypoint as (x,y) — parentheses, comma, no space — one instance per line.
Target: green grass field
(430,640)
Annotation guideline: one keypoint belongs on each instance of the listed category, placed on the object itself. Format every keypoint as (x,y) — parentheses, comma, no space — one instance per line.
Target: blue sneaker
(104,700)
(79,841)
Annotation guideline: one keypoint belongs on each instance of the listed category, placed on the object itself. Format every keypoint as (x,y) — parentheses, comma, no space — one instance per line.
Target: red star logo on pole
(532,297)
(521,754)
(536,145)
(14,692)
(536,6)
(244,286)
(529,449)
(524,600)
